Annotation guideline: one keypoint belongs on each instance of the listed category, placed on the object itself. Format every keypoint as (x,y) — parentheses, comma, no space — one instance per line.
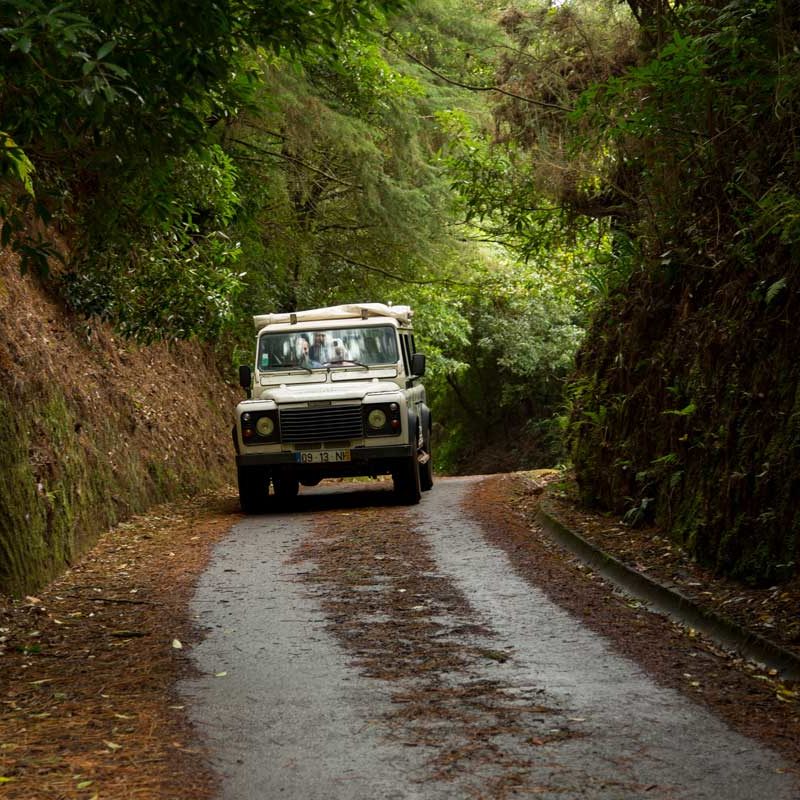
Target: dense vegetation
(684,150)
(687,398)
(616,180)
(202,170)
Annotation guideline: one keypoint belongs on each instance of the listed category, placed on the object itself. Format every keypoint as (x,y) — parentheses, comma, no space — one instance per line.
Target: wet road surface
(287,711)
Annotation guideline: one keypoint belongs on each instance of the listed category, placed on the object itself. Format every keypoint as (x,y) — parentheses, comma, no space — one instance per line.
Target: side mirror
(245,378)
(418,365)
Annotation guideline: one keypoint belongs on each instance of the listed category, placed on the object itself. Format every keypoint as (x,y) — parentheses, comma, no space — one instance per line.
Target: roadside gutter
(670,601)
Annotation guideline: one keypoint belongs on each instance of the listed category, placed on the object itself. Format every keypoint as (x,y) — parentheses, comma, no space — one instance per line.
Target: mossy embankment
(93,430)
(687,412)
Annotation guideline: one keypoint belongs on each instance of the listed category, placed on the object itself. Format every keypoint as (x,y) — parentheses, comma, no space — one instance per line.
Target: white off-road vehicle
(335,391)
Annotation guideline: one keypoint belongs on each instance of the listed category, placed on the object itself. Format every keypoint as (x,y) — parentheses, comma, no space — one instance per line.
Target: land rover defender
(334,392)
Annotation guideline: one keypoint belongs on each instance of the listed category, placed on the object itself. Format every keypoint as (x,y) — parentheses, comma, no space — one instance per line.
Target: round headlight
(265,426)
(376,419)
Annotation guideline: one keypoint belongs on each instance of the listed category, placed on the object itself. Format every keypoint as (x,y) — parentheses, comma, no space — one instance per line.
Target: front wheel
(406,481)
(253,488)
(286,485)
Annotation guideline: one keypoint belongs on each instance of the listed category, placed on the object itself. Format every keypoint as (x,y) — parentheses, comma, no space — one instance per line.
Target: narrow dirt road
(358,649)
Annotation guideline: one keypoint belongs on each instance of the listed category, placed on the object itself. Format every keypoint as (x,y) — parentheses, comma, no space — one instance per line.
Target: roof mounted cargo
(402,314)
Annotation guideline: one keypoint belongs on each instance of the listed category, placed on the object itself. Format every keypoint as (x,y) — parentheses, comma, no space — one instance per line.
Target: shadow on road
(335,496)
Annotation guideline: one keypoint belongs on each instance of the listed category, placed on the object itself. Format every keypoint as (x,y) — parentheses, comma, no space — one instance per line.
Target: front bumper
(361,458)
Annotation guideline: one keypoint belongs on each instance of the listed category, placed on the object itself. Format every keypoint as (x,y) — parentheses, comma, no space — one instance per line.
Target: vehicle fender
(412,426)
(425,419)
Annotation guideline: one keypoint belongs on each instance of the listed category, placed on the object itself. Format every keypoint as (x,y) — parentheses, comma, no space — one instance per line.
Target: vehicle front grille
(333,423)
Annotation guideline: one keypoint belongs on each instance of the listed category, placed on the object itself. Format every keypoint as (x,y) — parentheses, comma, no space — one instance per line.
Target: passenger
(319,350)
(339,351)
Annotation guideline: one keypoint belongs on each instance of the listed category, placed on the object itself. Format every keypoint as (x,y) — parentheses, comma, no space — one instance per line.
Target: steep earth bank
(94,429)
(687,413)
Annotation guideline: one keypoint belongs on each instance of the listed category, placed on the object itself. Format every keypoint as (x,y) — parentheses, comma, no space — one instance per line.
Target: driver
(304,359)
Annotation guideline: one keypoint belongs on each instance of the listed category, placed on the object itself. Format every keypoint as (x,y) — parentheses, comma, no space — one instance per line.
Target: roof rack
(402,314)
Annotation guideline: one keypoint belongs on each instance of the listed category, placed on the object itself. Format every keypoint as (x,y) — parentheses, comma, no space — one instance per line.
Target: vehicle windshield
(324,347)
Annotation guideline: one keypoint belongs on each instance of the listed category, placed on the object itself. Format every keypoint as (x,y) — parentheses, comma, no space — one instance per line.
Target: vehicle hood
(305,392)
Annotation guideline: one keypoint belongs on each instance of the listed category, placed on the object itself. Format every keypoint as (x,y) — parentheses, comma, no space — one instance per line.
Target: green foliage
(94,61)
(518,182)
(501,351)
(161,265)
(705,130)
(529,330)
(271,157)
(697,146)
(342,202)
(102,102)
(181,287)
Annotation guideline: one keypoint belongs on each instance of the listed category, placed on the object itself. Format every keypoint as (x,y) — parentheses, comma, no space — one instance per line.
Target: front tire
(253,488)
(406,481)
(286,485)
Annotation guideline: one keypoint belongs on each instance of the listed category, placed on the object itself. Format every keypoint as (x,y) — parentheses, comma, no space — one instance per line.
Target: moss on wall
(20,509)
(59,488)
(687,413)
(93,430)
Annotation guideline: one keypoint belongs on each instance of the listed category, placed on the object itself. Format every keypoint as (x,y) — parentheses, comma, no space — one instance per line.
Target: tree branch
(465,404)
(250,124)
(298,161)
(403,278)
(340,226)
(473,88)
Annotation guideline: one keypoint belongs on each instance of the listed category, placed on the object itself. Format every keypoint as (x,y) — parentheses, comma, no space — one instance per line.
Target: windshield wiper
(341,361)
(300,366)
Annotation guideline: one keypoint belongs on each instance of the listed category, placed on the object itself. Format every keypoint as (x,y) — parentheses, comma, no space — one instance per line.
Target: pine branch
(295,160)
(403,278)
(473,88)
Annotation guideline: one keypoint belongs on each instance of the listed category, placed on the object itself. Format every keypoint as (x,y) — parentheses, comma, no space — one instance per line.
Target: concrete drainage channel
(674,604)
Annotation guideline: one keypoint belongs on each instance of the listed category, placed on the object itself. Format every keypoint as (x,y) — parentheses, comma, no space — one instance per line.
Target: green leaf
(105,49)
(121,72)
(683,412)
(13,157)
(774,290)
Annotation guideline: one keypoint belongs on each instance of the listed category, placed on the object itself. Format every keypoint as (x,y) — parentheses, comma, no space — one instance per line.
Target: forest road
(353,648)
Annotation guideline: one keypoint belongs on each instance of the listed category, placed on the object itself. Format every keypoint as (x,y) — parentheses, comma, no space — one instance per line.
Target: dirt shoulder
(88,666)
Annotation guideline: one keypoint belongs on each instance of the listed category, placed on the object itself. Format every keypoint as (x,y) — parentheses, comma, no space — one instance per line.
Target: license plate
(322,456)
